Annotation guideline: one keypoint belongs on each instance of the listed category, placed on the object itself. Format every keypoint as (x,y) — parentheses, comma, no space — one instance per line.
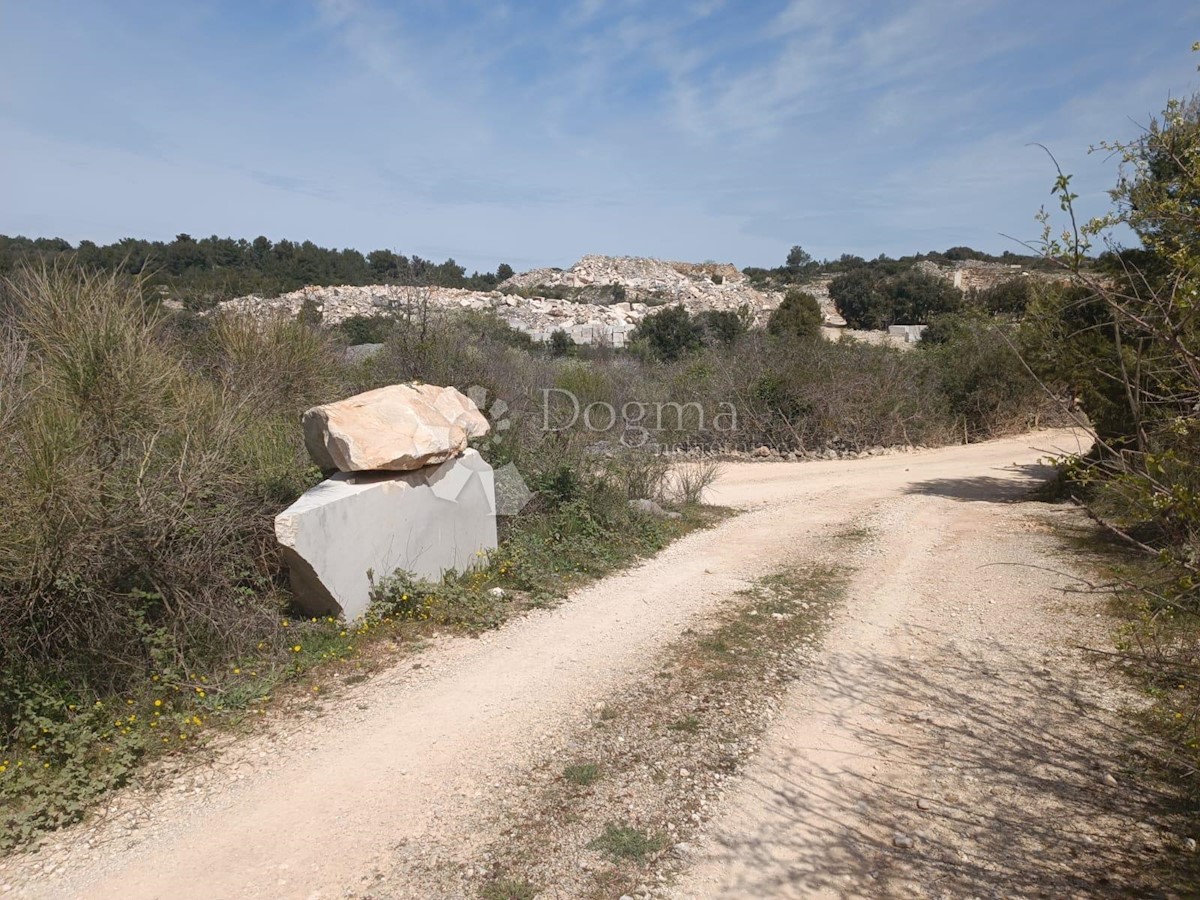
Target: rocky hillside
(600,299)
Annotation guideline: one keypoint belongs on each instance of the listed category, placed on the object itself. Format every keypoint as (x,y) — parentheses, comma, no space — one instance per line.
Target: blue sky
(534,133)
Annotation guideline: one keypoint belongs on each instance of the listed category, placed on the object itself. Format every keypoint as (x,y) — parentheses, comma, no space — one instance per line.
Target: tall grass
(140,481)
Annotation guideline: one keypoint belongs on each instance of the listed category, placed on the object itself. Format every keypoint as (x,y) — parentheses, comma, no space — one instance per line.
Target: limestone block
(425,522)
(396,428)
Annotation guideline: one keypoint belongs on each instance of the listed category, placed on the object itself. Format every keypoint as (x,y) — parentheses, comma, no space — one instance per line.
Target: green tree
(798,316)
(798,258)
(860,301)
(504,271)
(1008,298)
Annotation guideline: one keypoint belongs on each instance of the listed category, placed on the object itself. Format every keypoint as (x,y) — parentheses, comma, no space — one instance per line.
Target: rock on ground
(425,522)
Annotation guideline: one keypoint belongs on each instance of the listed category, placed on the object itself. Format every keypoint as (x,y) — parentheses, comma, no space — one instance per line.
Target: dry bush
(139,489)
(806,394)
(689,481)
(638,474)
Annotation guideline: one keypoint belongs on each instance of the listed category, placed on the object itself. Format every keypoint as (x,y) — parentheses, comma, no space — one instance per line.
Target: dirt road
(948,741)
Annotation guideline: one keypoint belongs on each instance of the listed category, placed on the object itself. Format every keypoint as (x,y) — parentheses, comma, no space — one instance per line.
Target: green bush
(1008,298)
(799,316)
(980,373)
(723,326)
(561,343)
(917,297)
(669,333)
(366,329)
(859,299)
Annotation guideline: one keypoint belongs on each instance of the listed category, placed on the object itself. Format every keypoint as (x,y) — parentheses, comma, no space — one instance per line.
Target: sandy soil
(948,731)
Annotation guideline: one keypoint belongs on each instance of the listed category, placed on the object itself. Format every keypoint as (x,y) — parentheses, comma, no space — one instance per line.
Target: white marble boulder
(426,522)
(398,428)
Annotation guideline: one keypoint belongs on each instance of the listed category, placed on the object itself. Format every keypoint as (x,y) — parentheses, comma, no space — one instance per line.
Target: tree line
(203,272)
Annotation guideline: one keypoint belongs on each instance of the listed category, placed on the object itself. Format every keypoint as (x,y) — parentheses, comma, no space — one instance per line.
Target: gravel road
(946,733)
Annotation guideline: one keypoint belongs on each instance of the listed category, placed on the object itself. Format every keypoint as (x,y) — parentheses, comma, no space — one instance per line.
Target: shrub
(1008,298)
(987,387)
(140,485)
(669,333)
(723,326)
(561,343)
(798,316)
(366,329)
(690,480)
(916,297)
(869,300)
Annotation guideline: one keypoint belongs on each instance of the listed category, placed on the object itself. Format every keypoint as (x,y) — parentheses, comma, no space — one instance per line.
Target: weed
(689,481)
(582,774)
(855,534)
(689,724)
(509,889)
(624,842)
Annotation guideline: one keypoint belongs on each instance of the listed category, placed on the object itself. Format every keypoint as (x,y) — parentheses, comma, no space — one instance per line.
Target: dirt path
(946,680)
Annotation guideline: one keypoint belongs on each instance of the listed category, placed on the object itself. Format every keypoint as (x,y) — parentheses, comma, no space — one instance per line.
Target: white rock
(397,428)
(425,522)
(650,508)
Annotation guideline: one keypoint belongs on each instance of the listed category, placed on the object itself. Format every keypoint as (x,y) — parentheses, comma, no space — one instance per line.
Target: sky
(533,133)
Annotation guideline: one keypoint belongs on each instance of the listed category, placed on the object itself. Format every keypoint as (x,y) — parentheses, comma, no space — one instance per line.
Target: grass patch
(509,889)
(622,842)
(855,534)
(582,774)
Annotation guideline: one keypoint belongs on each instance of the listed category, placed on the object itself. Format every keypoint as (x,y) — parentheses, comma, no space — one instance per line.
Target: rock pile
(698,285)
(406,494)
(599,300)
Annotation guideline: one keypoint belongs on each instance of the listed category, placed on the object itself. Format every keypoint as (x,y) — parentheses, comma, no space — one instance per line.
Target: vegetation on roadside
(144,457)
(1124,338)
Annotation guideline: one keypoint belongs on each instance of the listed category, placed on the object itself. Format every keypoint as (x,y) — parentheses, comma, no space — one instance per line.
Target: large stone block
(398,428)
(426,522)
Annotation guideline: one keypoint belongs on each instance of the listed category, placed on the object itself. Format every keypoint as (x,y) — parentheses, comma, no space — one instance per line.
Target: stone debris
(355,526)
(979,275)
(599,300)
(397,428)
